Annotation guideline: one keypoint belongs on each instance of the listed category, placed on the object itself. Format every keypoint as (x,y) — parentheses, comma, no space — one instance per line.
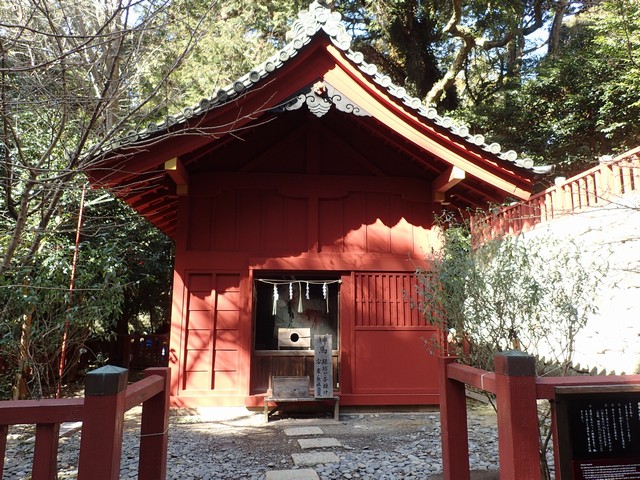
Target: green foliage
(579,103)
(497,294)
(69,80)
(402,37)
(42,293)
(123,275)
(221,43)
(145,256)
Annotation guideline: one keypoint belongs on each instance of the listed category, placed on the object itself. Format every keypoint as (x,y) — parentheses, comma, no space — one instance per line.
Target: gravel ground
(236,444)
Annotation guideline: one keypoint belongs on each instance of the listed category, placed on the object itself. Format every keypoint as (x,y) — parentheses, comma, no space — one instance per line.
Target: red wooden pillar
(453,424)
(45,453)
(154,431)
(4,430)
(102,425)
(517,416)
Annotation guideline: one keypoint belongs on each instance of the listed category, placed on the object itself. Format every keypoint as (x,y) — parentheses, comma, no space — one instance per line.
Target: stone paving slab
(314,458)
(306,443)
(302,431)
(306,474)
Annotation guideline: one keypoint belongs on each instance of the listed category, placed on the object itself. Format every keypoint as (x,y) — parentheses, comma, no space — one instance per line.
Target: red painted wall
(264,220)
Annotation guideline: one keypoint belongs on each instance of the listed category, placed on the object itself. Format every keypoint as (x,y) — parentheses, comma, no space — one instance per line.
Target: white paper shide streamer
(300,307)
(300,303)
(325,294)
(275,300)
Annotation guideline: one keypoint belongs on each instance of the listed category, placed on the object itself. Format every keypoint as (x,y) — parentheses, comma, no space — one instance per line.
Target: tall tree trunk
(18,229)
(20,390)
(556,26)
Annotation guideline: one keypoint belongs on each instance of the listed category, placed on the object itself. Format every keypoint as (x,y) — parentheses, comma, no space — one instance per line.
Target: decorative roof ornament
(319,16)
(319,97)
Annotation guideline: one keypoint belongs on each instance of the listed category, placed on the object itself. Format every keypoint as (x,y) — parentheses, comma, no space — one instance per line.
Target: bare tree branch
(67,77)
(473,37)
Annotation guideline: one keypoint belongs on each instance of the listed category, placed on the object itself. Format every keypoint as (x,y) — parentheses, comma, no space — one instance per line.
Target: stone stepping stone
(306,443)
(305,474)
(314,458)
(302,431)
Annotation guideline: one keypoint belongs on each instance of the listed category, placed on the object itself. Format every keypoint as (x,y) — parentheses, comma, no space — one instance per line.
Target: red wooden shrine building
(301,199)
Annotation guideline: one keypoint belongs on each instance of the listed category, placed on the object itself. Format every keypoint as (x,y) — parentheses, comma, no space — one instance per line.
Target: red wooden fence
(601,185)
(517,391)
(101,412)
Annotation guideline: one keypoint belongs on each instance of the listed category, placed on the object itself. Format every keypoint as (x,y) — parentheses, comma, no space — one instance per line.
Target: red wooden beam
(175,168)
(306,185)
(472,376)
(166,224)
(545,386)
(4,430)
(445,181)
(164,216)
(144,203)
(15,412)
(139,196)
(143,390)
(157,206)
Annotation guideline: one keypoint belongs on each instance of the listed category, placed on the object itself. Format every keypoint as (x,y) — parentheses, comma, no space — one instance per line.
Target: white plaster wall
(610,234)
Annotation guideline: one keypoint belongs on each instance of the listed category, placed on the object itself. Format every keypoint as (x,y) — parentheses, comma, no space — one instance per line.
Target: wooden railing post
(554,434)
(154,432)
(102,425)
(517,416)
(4,430)
(453,424)
(45,453)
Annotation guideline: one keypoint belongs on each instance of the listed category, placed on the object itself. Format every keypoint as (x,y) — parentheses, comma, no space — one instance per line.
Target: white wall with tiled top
(610,235)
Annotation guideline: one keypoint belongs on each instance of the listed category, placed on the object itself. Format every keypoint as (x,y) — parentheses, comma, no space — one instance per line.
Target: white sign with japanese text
(323,366)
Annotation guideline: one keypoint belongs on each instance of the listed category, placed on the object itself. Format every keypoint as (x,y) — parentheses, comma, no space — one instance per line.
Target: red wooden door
(391,353)
(212,333)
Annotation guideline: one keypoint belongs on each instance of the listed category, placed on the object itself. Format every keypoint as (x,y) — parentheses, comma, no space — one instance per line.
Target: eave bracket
(445,181)
(176,170)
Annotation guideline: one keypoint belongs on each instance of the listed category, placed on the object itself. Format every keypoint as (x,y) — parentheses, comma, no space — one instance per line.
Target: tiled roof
(306,26)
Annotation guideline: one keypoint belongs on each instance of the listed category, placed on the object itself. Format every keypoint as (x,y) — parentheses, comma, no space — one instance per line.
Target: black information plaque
(598,429)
